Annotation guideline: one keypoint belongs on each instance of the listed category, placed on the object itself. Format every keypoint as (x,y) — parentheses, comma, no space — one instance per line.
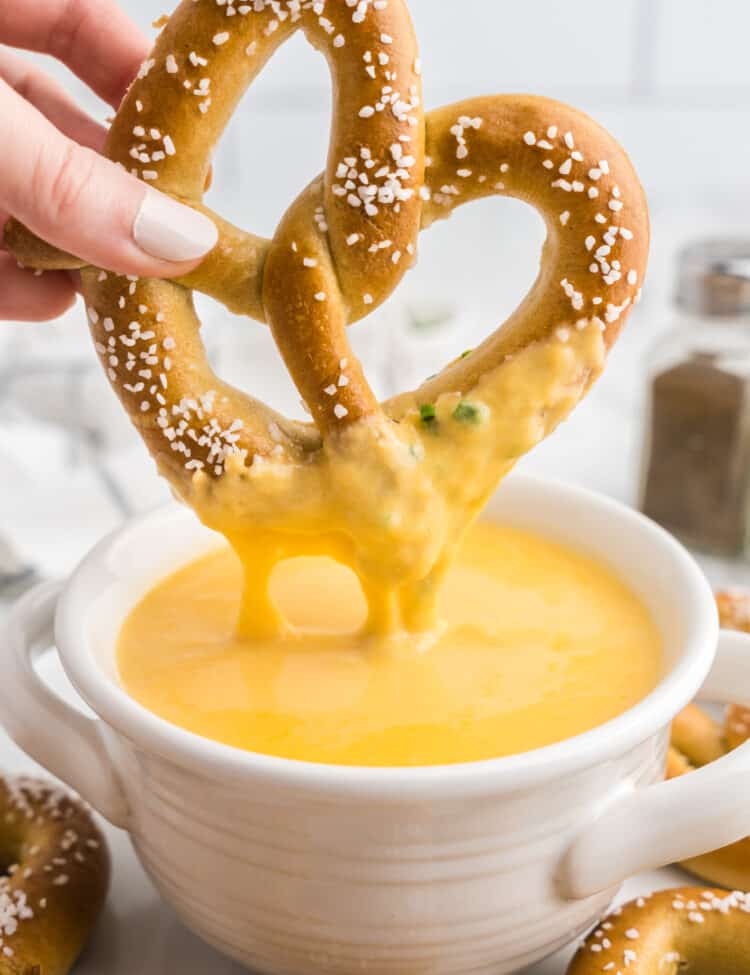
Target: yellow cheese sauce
(354,620)
(391,496)
(539,642)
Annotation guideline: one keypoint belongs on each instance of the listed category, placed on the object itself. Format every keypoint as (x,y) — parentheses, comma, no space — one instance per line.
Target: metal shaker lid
(713,277)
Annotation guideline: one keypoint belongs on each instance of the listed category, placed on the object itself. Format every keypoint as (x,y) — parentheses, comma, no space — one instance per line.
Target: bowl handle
(56,735)
(676,820)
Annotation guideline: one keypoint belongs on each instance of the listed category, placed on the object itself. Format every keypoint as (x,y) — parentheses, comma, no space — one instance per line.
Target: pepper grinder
(696,463)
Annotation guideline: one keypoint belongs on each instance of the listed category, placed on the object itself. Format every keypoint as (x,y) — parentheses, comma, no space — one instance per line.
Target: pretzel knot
(339,252)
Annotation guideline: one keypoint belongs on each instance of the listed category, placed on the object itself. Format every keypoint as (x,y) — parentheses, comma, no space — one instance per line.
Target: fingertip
(86,205)
(153,235)
(58,302)
(26,296)
(172,232)
(75,280)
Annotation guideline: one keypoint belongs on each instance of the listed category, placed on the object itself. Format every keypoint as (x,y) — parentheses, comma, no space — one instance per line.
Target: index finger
(94,38)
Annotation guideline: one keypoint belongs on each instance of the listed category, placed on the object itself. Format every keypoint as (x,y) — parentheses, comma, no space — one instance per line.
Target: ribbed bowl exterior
(294,882)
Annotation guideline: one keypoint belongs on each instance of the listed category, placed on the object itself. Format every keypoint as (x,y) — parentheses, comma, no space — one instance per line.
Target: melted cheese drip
(449,647)
(540,643)
(392,500)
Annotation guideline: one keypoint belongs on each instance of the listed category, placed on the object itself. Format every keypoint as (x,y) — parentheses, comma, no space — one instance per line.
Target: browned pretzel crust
(347,240)
(691,929)
(53,881)
(698,739)
(734,614)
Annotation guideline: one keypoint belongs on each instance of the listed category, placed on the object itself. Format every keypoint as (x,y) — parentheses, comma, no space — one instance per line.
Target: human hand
(52,177)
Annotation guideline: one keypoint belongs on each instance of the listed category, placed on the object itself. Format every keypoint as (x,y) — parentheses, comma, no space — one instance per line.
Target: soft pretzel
(698,739)
(340,250)
(690,929)
(734,614)
(54,873)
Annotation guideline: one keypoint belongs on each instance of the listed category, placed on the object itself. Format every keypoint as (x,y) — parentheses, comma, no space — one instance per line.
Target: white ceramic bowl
(308,869)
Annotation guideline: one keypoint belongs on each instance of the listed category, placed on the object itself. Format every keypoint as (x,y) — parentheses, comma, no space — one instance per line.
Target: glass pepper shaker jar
(696,463)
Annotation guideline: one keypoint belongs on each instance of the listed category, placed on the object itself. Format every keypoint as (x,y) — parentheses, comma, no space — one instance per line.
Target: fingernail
(171,231)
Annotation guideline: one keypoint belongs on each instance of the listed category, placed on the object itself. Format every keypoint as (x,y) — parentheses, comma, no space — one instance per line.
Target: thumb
(87,205)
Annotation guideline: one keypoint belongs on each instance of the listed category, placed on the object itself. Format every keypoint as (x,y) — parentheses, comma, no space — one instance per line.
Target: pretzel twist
(697,739)
(690,929)
(338,253)
(54,877)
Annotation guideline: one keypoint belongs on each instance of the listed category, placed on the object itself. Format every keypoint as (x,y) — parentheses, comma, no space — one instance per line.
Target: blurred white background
(670,78)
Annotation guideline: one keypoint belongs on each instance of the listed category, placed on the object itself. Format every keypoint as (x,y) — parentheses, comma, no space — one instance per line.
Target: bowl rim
(216,761)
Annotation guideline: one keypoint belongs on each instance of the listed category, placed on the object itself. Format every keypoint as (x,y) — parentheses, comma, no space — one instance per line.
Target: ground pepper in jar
(697,455)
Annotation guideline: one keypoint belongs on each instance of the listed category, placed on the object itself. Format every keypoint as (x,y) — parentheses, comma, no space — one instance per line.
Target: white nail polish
(171,231)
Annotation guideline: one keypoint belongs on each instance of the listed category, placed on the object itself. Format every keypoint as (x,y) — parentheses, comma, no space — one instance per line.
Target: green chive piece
(468,352)
(466,412)
(427,413)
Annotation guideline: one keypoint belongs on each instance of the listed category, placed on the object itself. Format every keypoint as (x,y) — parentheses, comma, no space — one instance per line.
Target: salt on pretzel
(340,250)
(53,878)
(689,929)
(698,739)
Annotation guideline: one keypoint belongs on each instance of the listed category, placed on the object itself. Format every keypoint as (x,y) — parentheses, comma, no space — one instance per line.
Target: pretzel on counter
(690,929)
(734,614)
(342,248)
(54,878)
(698,739)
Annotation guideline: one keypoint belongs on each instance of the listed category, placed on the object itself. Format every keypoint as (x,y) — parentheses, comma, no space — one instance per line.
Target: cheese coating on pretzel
(382,485)
(690,929)
(53,878)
